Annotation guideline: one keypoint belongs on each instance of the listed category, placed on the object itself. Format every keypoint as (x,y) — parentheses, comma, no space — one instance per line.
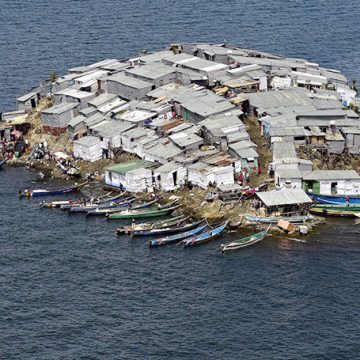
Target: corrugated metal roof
(129,81)
(164,151)
(60,108)
(125,167)
(136,133)
(169,167)
(87,141)
(286,131)
(76,120)
(186,138)
(136,116)
(152,71)
(331,175)
(246,153)
(207,103)
(26,97)
(289,173)
(204,65)
(284,197)
(237,136)
(351,130)
(75,93)
(284,150)
(243,144)
(102,99)
(112,127)
(286,63)
(280,98)
(154,57)
(221,122)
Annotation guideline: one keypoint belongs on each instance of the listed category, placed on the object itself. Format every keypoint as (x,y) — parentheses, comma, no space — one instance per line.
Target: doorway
(175,177)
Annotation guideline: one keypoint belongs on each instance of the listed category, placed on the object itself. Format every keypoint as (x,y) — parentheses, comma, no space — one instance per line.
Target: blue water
(71,289)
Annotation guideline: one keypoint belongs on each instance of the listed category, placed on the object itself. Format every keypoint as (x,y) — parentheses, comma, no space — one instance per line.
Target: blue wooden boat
(168,230)
(205,236)
(336,199)
(41,192)
(2,162)
(176,238)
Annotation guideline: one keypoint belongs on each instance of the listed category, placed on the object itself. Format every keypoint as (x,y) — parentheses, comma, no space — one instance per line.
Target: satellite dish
(229,52)
(332,122)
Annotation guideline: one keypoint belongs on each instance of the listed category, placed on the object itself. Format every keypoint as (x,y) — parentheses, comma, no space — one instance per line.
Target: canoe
(245,242)
(89,207)
(176,238)
(274,220)
(41,192)
(166,230)
(105,199)
(335,210)
(104,210)
(205,236)
(140,213)
(336,199)
(2,162)
(161,224)
(56,204)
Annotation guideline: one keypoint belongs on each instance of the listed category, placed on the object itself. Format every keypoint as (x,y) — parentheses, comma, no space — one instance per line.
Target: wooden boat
(336,210)
(245,242)
(274,220)
(117,207)
(105,199)
(166,230)
(205,236)
(141,213)
(176,238)
(2,162)
(108,205)
(161,224)
(41,192)
(56,204)
(336,199)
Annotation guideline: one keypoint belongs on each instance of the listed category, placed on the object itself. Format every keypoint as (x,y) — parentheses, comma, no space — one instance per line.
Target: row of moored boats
(171,230)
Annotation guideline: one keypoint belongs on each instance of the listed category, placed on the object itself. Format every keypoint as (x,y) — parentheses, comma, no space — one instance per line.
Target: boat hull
(161,224)
(138,214)
(205,236)
(274,220)
(40,193)
(336,199)
(176,238)
(245,242)
(165,231)
(336,210)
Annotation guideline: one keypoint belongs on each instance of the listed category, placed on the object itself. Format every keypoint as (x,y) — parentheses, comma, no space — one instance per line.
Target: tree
(53,77)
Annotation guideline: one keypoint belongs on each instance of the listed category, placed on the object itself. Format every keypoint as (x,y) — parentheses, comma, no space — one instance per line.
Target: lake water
(71,289)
